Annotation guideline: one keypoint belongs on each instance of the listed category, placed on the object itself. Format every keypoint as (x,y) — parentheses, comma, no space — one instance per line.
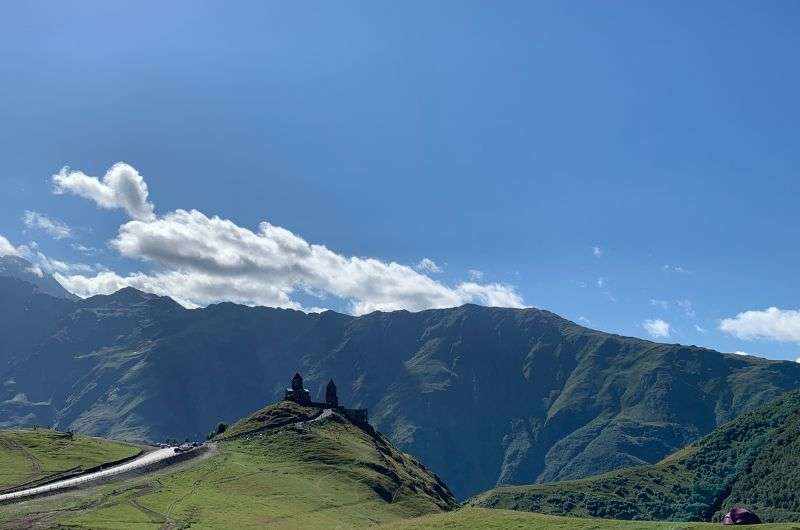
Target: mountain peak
(21,269)
(129,296)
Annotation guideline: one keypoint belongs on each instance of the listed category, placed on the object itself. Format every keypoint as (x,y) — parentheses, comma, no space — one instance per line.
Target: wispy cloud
(428,265)
(676,269)
(663,304)
(687,307)
(475,275)
(42,263)
(684,305)
(83,249)
(53,227)
(597,251)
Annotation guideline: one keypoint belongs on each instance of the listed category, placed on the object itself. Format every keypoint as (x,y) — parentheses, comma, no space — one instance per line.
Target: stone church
(300,395)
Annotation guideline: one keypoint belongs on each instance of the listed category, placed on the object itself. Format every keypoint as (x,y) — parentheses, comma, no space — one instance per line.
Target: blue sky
(509,138)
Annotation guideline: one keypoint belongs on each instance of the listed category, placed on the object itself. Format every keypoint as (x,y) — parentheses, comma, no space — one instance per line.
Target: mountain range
(485,396)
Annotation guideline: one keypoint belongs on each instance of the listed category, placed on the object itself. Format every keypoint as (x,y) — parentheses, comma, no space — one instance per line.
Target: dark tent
(740,516)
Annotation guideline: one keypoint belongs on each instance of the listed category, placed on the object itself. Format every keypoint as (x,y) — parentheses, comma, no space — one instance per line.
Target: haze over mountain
(22,269)
(482,395)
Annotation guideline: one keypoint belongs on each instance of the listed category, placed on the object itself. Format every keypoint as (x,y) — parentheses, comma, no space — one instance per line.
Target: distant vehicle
(184,447)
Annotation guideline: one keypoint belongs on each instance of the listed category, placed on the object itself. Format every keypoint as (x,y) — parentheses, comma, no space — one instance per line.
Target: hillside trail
(36,465)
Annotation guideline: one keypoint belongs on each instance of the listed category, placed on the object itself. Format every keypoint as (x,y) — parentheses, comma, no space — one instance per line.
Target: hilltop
(486,396)
(753,461)
(284,466)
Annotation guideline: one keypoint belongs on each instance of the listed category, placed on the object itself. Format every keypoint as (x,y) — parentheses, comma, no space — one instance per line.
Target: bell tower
(297,393)
(331,399)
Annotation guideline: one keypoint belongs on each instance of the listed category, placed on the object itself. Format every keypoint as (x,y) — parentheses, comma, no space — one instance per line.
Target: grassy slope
(28,455)
(471,518)
(325,474)
(752,461)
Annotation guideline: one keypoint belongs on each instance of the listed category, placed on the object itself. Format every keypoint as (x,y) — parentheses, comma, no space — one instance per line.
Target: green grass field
(28,455)
(487,519)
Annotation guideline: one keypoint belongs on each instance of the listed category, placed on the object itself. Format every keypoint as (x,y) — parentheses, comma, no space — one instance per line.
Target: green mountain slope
(283,467)
(485,396)
(485,519)
(753,461)
(29,457)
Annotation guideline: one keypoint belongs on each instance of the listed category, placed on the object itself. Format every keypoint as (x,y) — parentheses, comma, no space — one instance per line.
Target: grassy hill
(284,466)
(30,456)
(753,461)
(485,519)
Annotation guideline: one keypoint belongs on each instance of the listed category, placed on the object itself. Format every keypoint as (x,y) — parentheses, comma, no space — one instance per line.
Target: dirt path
(156,517)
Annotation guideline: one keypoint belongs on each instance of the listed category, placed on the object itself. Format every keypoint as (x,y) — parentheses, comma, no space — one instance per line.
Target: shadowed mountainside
(753,461)
(484,396)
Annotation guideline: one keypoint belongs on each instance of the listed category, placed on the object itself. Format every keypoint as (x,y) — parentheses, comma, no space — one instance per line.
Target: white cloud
(475,275)
(55,228)
(663,304)
(6,248)
(797,360)
(121,187)
(782,325)
(657,328)
(740,352)
(83,249)
(687,307)
(52,266)
(585,321)
(675,268)
(36,270)
(40,263)
(200,260)
(428,265)
(597,252)
(700,329)
(601,282)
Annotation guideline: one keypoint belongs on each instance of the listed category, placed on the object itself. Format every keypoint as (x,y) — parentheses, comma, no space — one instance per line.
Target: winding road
(147,459)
